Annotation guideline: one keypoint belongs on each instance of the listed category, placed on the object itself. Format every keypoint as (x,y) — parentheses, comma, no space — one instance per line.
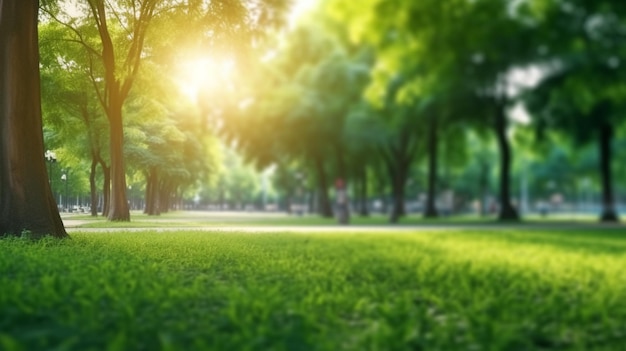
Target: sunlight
(299,8)
(203,75)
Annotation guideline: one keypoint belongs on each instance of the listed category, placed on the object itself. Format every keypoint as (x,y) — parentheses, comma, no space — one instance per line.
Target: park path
(74,226)
(252,222)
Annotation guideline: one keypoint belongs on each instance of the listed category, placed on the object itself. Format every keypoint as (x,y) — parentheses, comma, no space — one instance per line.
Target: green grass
(430,290)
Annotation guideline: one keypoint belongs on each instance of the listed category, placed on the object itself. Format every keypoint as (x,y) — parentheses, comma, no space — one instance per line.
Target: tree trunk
(609,214)
(343,201)
(106,188)
(363,210)
(164,193)
(118,202)
(507,211)
(325,206)
(148,195)
(153,207)
(93,192)
(26,201)
(430,210)
(483,182)
(398,174)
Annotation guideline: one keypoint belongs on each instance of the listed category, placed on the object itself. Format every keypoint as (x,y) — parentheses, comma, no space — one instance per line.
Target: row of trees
(91,59)
(359,93)
(408,79)
(101,63)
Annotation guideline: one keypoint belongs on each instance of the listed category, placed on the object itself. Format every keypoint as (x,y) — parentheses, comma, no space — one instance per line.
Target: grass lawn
(500,289)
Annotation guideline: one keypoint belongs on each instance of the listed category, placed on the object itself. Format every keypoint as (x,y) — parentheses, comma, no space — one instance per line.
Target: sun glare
(205,75)
(298,9)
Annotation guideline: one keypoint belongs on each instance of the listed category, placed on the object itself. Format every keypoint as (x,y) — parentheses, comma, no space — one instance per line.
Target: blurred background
(502,109)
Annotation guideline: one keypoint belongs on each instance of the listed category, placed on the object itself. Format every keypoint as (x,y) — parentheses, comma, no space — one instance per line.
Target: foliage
(357,88)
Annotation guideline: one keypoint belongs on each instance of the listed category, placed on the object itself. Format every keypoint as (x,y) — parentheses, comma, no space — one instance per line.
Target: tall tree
(584,91)
(119,79)
(26,201)
(393,131)
(122,29)
(299,104)
(70,105)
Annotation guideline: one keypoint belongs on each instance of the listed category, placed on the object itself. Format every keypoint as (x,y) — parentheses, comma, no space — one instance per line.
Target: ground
(271,287)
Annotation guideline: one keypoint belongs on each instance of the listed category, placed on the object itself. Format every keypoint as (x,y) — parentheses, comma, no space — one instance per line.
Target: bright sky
(299,8)
(519,80)
(194,75)
(204,73)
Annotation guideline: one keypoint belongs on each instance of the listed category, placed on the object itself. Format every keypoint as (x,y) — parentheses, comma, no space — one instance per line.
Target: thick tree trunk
(118,202)
(609,214)
(325,206)
(164,193)
(26,201)
(507,211)
(152,199)
(430,211)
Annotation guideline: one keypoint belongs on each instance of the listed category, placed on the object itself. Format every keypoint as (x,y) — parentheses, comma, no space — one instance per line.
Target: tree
(26,201)
(435,43)
(298,106)
(120,61)
(122,28)
(584,92)
(70,105)
(393,131)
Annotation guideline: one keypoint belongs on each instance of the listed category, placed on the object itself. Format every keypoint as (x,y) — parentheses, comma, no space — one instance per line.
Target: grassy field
(430,290)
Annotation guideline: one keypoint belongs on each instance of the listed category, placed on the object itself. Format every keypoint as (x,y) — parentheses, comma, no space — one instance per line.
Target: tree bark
(609,214)
(430,211)
(26,201)
(507,211)
(118,202)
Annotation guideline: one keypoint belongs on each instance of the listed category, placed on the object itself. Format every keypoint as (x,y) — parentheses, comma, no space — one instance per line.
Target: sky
(300,7)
